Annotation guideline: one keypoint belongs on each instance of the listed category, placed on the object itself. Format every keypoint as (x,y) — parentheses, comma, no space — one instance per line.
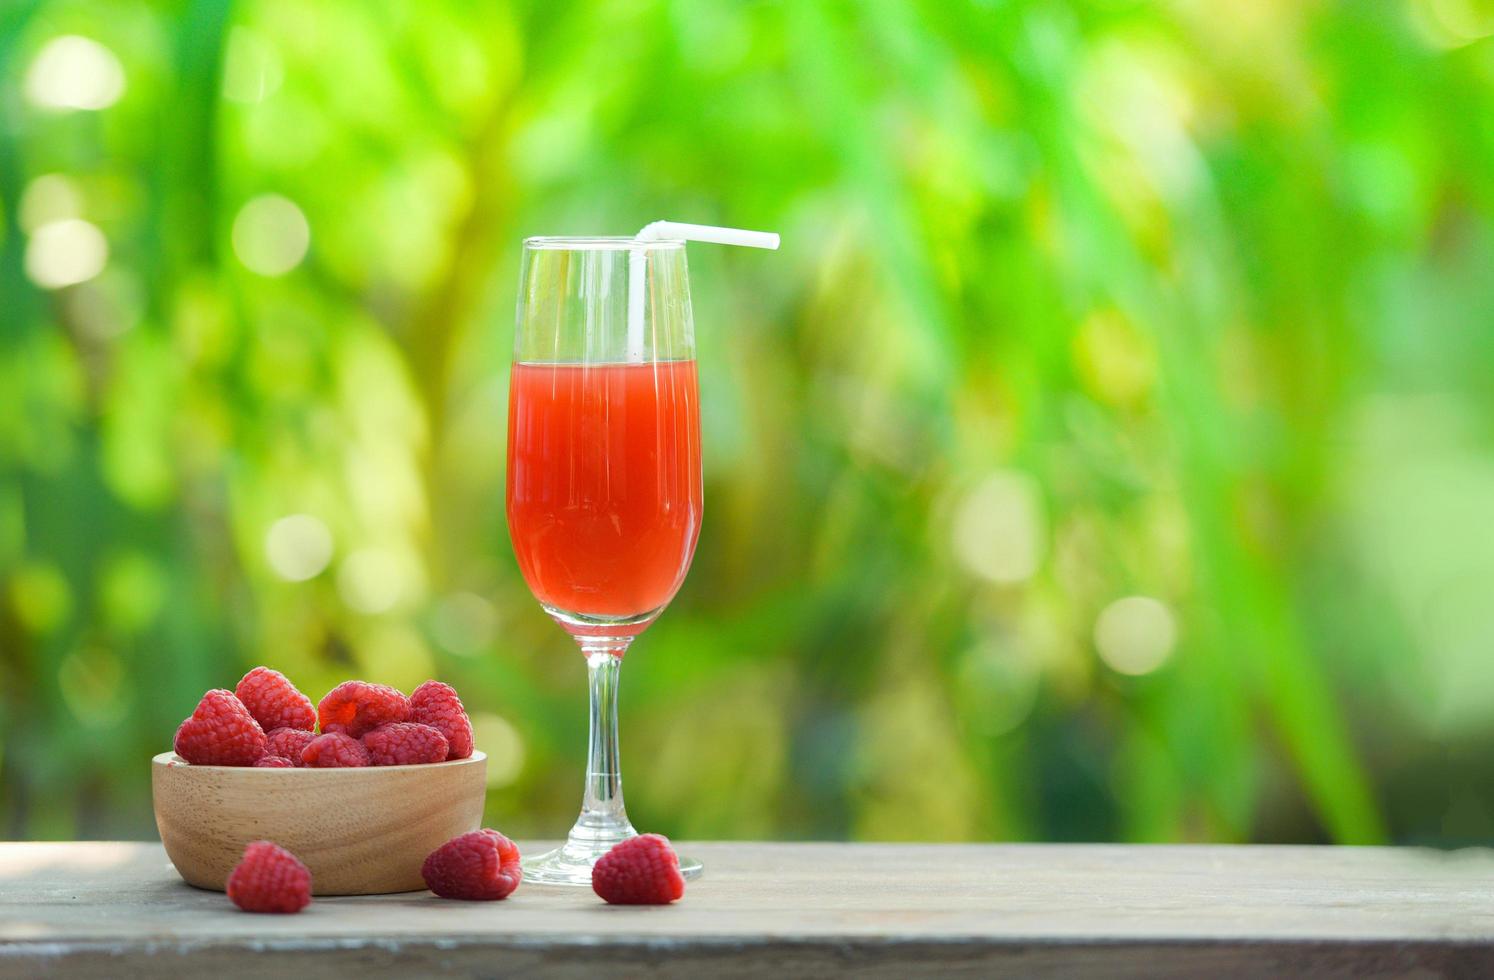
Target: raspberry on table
(220,732)
(274,762)
(269,879)
(334,751)
(642,870)
(405,743)
(288,742)
(274,701)
(357,707)
(437,705)
(480,866)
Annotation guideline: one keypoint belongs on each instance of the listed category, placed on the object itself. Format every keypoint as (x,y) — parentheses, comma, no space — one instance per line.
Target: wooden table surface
(789,910)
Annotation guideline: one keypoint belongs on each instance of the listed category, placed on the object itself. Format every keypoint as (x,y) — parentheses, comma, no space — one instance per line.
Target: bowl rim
(173,761)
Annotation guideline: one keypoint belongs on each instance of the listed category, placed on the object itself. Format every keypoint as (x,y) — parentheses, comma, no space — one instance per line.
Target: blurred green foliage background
(1107,454)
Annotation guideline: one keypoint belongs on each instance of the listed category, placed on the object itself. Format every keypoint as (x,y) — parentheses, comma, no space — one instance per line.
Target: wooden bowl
(361,831)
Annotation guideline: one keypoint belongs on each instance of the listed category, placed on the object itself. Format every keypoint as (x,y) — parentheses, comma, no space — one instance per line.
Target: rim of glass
(599,243)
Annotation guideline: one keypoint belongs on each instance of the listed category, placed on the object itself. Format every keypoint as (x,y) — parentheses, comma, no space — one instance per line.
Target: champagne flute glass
(604,485)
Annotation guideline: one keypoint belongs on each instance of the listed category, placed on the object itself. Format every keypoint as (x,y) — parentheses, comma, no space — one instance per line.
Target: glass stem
(603,821)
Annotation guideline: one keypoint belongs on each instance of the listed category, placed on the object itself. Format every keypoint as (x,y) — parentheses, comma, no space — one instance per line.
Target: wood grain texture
(97,910)
(360,831)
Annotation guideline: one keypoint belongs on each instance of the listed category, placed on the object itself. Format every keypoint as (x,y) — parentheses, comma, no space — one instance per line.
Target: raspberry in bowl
(362,811)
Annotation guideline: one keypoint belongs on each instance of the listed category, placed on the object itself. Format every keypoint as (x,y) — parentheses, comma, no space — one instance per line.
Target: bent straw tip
(656,230)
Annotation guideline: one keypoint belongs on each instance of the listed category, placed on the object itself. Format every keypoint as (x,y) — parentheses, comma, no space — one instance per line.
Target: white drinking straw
(663,231)
(670,231)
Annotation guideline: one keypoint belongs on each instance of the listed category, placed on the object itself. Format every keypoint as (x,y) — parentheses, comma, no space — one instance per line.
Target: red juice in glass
(604,490)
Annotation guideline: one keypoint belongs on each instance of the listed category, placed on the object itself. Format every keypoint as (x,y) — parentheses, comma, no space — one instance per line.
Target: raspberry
(405,744)
(289,742)
(642,870)
(274,762)
(480,866)
(221,732)
(437,705)
(269,879)
(357,707)
(334,751)
(274,701)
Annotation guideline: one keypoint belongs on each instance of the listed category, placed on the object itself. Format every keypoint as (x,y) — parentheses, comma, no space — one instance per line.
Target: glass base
(571,863)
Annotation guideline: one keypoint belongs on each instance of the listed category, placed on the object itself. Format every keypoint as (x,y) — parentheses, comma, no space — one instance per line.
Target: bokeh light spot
(1135,635)
(132,591)
(1452,23)
(270,235)
(1113,358)
(997,689)
(504,746)
(464,623)
(65,253)
(998,528)
(72,72)
(298,547)
(252,70)
(49,198)
(372,580)
(40,596)
(106,306)
(92,682)
(396,654)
